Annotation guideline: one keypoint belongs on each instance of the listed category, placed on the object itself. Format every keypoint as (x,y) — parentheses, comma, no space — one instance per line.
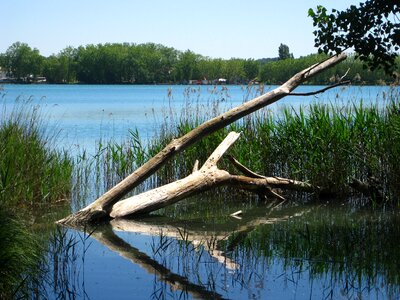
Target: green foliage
(23,61)
(19,256)
(153,63)
(61,68)
(283,52)
(372,29)
(279,71)
(186,68)
(250,68)
(30,172)
(2,60)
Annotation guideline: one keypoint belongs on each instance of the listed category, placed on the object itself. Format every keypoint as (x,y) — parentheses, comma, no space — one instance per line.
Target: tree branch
(321,90)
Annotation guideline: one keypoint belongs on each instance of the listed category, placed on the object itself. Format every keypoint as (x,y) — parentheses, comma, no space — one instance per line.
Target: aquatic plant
(19,256)
(31,171)
(326,144)
(32,176)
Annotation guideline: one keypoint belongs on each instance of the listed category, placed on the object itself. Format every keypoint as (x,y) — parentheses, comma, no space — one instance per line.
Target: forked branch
(208,177)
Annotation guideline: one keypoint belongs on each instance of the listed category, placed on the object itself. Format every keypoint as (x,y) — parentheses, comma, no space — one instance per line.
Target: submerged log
(102,207)
(370,188)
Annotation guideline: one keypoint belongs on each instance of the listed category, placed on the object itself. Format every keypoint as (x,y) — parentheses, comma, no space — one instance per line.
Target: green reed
(33,178)
(31,171)
(19,256)
(327,145)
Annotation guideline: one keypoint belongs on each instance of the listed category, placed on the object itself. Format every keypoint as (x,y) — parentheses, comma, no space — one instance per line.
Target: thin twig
(276,195)
(321,90)
(344,76)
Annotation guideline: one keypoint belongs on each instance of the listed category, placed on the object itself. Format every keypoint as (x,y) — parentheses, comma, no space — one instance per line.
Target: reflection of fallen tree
(209,240)
(109,239)
(201,239)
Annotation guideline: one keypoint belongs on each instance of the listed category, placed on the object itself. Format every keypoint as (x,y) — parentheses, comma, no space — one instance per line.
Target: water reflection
(106,236)
(64,277)
(290,252)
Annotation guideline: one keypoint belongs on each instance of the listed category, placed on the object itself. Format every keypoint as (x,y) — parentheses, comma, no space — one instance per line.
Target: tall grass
(327,145)
(19,256)
(31,171)
(32,176)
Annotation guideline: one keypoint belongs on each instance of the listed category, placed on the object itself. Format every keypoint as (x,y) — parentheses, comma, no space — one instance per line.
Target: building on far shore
(206,81)
(4,78)
(35,79)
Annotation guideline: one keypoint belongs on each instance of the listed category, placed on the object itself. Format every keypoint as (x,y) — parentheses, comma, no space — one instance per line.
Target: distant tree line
(154,63)
(275,72)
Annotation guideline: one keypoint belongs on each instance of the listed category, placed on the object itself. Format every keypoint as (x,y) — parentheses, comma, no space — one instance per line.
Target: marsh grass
(31,171)
(33,178)
(326,144)
(19,256)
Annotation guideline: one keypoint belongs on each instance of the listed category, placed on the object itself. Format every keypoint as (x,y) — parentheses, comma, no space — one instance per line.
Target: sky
(218,29)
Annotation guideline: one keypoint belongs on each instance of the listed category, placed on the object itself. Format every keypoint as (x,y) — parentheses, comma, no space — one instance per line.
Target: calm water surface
(86,113)
(196,250)
(308,252)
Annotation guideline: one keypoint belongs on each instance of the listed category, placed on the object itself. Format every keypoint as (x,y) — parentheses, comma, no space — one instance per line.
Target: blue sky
(244,29)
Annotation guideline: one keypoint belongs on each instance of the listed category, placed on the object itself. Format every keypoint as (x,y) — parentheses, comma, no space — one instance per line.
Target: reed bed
(31,171)
(326,144)
(33,176)
(19,257)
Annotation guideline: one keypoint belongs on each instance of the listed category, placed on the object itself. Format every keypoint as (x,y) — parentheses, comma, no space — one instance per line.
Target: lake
(196,250)
(86,113)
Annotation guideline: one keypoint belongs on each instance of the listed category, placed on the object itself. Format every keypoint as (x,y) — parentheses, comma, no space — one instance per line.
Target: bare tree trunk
(101,208)
(209,176)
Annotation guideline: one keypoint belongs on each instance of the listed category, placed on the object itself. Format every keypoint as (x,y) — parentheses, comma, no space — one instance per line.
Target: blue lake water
(190,258)
(86,113)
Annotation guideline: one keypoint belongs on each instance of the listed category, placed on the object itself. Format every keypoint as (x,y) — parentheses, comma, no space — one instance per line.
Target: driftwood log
(102,207)
(207,177)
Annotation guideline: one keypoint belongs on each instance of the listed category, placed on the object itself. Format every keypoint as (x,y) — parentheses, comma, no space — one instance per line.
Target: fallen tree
(207,177)
(102,207)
